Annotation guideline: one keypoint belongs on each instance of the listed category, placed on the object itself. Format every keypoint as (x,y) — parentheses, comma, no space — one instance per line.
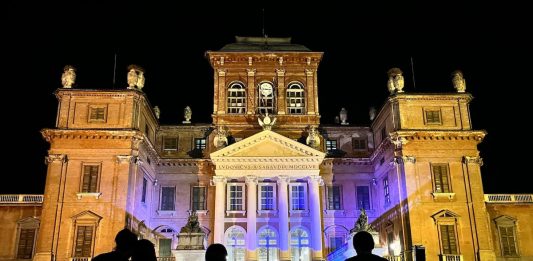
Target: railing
(394,258)
(21,199)
(451,258)
(80,259)
(509,198)
(166,258)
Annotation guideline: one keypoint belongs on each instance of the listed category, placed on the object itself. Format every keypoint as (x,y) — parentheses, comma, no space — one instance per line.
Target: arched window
(266,97)
(295,98)
(236,98)
(267,244)
(235,243)
(300,250)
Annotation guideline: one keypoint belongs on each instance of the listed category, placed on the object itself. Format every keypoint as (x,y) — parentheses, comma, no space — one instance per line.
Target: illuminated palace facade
(276,186)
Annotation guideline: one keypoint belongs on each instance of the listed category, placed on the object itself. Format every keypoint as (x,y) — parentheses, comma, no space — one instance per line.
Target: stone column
(250,93)
(220,194)
(251,215)
(283,210)
(222,91)
(46,247)
(310,99)
(282,91)
(316,221)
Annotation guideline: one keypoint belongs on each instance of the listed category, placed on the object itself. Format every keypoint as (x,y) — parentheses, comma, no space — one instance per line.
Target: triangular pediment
(267,144)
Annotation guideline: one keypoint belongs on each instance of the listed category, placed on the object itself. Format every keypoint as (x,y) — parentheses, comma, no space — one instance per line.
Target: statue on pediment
(68,78)
(266,123)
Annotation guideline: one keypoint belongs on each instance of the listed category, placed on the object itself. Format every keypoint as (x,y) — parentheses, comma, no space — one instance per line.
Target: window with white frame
(298,196)
(441,176)
(507,231)
(267,244)
(331,145)
(235,201)
(199,143)
(198,198)
(334,194)
(236,98)
(236,243)
(295,98)
(386,191)
(266,97)
(363,197)
(300,250)
(267,193)
(168,195)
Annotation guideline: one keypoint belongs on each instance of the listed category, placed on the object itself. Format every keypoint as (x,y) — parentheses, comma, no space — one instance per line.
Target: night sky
(488,43)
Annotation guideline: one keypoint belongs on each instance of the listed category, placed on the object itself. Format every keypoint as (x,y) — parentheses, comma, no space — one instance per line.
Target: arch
(295,98)
(236,94)
(335,236)
(300,243)
(267,243)
(235,242)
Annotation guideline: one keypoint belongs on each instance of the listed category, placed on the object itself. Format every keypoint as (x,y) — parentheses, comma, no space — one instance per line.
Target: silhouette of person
(144,251)
(216,252)
(363,244)
(125,243)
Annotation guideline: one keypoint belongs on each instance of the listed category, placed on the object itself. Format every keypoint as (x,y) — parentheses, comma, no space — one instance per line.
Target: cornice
(415,135)
(467,97)
(98,93)
(90,134)
(183,162)
(352,161)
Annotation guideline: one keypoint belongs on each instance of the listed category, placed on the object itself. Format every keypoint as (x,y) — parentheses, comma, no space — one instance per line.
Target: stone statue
(396,81)
(135,77)
(337,119)
(140,80)
(459,82)
(193,226)
(313,138)
(362,223)
(157,112)
(221,138)
(266,123)
(343,116)
(187,114)
(191,236)
(68,78)
(372,113)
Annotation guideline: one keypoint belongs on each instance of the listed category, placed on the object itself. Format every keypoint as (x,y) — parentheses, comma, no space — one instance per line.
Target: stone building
(265,178)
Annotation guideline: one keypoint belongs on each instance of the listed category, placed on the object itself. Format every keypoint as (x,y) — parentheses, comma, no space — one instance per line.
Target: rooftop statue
(135,77)
(68,78)
(266,123)
(459,82)
(396,81)
(157,112)
(187,114)
(221,139)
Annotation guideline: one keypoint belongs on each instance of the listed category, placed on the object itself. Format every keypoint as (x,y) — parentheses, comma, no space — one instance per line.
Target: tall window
(359,143)
(295,98)
(167,198)
(165,246)
(198,198)
(236,98)
(236,243)
(84,241)
(170,144)
(441,178)
(334,197)
(300,245)
(266,98)
(331,145)
(268,244)
(90,178)
(386,191)
(448,239)
(199,143)
(507,230)
(298,192)
(143,195)
(433,117)
(25,244)
(363,197)
(97,113)
(235,197)
(268,196)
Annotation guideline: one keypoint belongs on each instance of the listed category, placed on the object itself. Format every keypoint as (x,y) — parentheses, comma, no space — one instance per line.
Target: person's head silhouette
(144,251)
(363,242)
(216,252)
(125,240)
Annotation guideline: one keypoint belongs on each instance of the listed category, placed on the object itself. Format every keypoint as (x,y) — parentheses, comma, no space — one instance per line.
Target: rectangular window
(433,117)
(334,197)
(298,197)
(363,197)
(236,197)
(359,144)
(386,190)
(267,193)
(198,198)
(170,144)
(26,241)
(440,178)
(167,198)
(84,241)
(199,143)
(331,145)
(448,239)
(508,240)
(90,178)
(165,245)
(143,195)
(97,113)
(335,242)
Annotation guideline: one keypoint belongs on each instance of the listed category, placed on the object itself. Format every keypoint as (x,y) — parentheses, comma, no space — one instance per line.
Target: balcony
(394,258)
(451,258)
(509,198)
(166,258)
(80,259)
(21,199)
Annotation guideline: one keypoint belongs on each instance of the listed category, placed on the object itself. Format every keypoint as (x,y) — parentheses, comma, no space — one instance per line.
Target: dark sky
(488,43)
